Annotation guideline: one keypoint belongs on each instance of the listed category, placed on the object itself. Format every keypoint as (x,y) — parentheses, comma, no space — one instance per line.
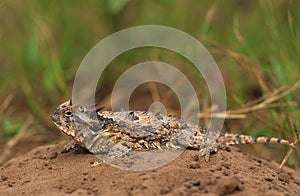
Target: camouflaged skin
(101,132)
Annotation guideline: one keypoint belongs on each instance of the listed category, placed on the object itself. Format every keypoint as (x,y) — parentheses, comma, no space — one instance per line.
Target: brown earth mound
(47,171)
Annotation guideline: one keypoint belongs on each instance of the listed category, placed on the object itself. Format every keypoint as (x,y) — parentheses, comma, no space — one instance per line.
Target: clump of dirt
(47,171)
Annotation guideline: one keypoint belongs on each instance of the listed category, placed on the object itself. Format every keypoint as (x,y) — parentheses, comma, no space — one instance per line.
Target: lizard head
(63,118)
(70,119)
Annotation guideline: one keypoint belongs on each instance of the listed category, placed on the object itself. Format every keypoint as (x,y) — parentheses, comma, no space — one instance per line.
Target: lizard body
(101,131)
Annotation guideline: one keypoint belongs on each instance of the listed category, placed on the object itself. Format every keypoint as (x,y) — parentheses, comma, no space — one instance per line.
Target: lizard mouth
(53,116)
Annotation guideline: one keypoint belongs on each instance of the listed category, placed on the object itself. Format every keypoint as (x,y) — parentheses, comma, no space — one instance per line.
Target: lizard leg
(208,144)
(115,153)
(71,145)
(207,150)
(118,151)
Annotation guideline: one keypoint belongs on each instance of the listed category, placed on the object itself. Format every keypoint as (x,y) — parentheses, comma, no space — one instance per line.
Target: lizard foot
(94,164)
(70,146)
(207,150)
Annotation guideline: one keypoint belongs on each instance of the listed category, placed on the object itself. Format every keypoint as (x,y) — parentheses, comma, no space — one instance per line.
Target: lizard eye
(68,113)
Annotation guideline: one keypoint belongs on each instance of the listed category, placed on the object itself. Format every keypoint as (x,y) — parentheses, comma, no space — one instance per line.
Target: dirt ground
(46,170)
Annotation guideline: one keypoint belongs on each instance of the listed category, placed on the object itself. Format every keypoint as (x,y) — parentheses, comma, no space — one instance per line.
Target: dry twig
(261,103)
(6,102)
(23,132)
(288,154)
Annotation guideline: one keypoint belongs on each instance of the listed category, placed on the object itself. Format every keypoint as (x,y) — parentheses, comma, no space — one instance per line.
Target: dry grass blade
(222,115)
(270,123)
(249,65)
(264,102)
(7,150)
(210,13)
(6,102)
(288,154)
(283,94)
(236,30)
(260,99)
(154,92)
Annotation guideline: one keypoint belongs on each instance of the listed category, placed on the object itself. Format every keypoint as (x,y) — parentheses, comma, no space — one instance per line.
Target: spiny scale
(101,132)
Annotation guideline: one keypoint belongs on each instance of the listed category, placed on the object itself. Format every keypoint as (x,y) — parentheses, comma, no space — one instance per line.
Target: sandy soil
(47,171)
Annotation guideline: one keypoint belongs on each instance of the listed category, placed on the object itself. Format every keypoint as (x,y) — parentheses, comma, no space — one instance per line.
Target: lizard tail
(233,139)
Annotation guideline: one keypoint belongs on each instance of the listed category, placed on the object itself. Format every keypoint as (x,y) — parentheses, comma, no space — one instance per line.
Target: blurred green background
(255,43)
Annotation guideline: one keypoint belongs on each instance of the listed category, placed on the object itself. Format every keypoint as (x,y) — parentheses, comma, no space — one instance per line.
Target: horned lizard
(103,131)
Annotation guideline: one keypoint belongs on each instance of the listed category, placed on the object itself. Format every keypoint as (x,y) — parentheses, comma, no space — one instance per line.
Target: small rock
(196,157)
(228,185)
(4,178)
(53,156)
(269,179)
(259,160)
(252,167)
(284,177)
(219,168)
(226,165)
(226,173)
(165,191)
(228,149)
(195,166)
(197,183)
